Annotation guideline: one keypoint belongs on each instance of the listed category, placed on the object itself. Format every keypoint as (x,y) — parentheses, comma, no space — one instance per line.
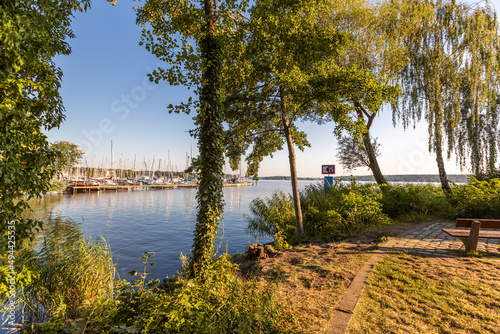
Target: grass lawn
(417,294)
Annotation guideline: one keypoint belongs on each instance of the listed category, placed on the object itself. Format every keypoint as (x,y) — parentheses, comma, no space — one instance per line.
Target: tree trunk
(438,142)
(367,142)
(377,173)
(293,169)
(209,195)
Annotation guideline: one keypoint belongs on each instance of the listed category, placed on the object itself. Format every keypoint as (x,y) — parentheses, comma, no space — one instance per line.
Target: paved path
(428,239)
(424,239)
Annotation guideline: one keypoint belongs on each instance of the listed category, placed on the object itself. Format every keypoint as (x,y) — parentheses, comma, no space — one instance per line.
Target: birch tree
(478,132)
(455,46)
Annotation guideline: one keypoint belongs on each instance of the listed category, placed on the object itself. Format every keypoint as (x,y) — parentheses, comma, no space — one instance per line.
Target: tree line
(258,69)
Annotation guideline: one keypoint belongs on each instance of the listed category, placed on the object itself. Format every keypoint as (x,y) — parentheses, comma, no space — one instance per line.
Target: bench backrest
(485,223)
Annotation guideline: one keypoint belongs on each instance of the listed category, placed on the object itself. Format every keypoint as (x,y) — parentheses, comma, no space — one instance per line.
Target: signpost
(328,169)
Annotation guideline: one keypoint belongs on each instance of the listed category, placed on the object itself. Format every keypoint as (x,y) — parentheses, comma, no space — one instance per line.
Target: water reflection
(160,221)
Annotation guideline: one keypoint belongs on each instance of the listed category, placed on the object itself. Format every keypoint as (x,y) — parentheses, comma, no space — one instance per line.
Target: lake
(160,221)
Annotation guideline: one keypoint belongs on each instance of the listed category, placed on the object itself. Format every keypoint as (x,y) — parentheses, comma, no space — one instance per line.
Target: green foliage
(274,215)
(220,303)
(68,155)
(340,211)
(493,174)
(31,34)
(411,199)
(66,285)
(210,139)
(478,199)
(280,243)
(67,274)
(329,214)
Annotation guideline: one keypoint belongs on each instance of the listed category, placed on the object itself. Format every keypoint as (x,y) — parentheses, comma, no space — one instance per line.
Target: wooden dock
(76,189)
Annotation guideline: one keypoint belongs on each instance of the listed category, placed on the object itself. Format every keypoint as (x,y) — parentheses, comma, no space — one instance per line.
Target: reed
(72,274)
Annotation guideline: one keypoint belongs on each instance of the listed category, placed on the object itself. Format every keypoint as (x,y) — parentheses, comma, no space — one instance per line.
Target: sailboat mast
(112,161)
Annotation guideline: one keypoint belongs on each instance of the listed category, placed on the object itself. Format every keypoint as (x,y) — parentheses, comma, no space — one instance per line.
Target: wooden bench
(470,237)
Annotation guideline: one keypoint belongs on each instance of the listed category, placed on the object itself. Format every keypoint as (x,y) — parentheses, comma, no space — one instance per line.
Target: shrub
(328,213)
(340,211)
(410,199)
(219,304)
(493,174)
(272,215)
(478,199)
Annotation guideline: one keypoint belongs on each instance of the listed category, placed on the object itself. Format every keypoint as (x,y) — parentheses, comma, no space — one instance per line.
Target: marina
(143,220)
(110,187)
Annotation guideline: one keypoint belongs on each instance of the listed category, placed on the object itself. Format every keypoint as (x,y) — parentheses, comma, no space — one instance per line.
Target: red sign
(328,169)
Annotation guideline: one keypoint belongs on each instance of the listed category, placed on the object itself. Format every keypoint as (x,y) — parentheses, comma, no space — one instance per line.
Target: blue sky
(108,98)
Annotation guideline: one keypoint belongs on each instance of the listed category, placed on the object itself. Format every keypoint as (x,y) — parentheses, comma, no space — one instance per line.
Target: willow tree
(478,133)
(366,60)
(268,90)
(191,37)
(32,33)
(443,55)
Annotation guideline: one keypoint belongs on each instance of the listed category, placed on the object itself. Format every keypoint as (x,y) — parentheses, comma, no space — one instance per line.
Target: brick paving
(428,239)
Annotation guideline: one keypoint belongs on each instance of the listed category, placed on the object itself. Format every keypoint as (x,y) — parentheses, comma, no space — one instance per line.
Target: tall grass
(273,216)
(71,274)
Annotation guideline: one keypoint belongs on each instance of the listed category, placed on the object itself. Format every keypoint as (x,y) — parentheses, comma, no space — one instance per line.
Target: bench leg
(471,241)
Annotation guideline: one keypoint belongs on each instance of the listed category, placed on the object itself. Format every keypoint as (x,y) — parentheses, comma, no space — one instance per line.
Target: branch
(253,134)
(229,12)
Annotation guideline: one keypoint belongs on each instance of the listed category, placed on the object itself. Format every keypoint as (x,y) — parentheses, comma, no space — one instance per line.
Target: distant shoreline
(426,178)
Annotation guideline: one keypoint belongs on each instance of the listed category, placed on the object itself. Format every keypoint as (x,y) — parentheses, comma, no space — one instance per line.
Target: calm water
(160,221)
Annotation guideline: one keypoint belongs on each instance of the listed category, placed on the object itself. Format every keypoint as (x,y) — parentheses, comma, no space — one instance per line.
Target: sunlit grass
(407,293)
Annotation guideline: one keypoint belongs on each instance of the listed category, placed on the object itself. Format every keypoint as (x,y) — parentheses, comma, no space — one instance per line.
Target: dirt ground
(312,278)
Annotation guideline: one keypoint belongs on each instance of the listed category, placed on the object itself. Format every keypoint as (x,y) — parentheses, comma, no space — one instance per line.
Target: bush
(340,211)
(411,199)
(272,216)
(220,304)
(478,199)
(328,214)
(493,174)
